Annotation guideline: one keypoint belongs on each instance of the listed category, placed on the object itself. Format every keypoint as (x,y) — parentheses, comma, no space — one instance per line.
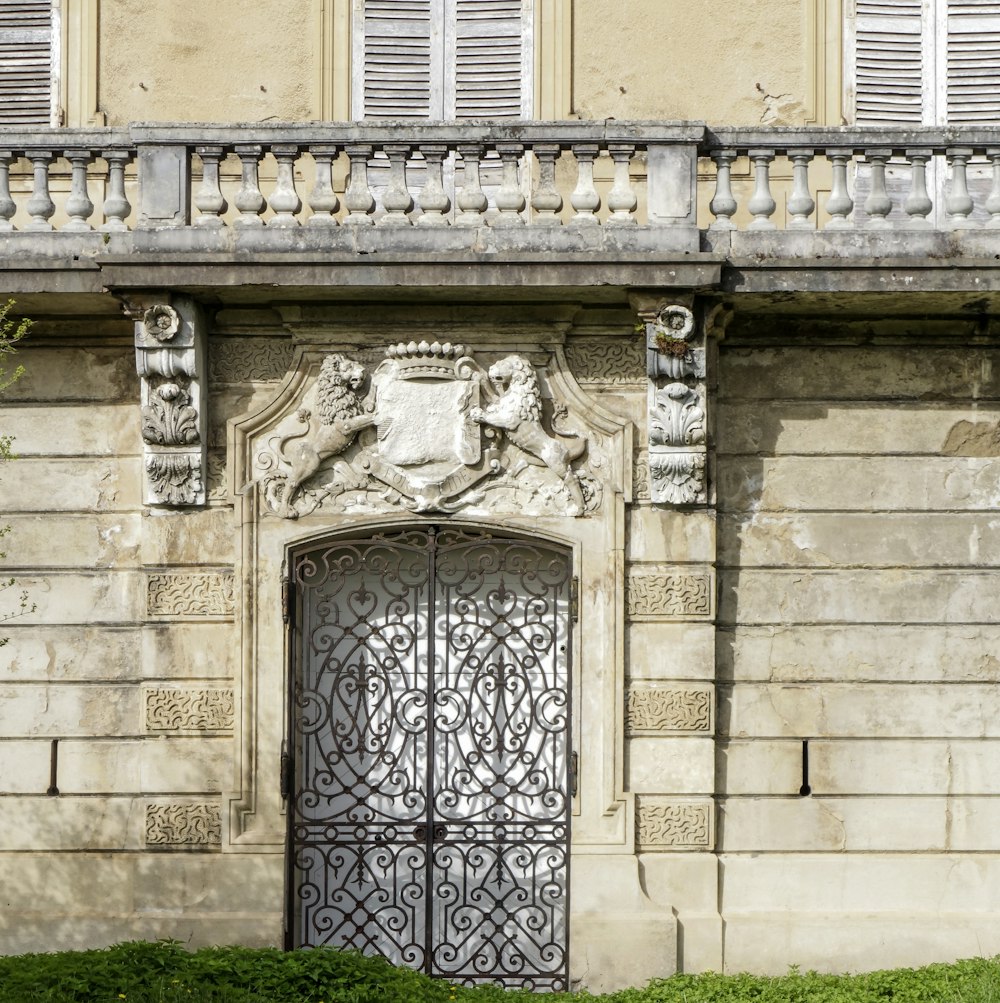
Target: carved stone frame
(610,912)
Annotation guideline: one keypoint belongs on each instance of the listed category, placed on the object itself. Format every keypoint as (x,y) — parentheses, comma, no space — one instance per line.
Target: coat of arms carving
(430,430)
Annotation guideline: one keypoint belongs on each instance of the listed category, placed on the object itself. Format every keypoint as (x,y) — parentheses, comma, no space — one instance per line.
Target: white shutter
(26,62)
(398,59)
(973,62)
(889,62)
(490,71)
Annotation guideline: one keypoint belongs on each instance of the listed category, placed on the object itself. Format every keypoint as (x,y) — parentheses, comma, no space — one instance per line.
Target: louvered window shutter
(398,59)
(889,62)
(26,62)
(973,62)
(490,47)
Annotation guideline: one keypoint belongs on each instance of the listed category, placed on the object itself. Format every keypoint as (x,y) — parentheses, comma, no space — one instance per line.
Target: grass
(164,972)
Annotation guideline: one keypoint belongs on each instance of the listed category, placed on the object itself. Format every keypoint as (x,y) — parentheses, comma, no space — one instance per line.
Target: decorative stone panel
(249,360)
(190,594)
(188,824)
(668,825)
(176,709)
(659,594)
(662,709)
(641,490)
(607,361)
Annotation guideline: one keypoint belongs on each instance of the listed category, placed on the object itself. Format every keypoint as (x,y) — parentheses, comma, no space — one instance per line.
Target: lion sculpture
(518,413)
(340,407)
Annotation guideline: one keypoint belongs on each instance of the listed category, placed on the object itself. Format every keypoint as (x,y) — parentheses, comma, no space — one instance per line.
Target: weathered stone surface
(77,598)
(63,710)
(76,653)
(849,652)
(818,539)
(190,651)
(873,483)
(670,765)
(859,429)
(73,430)
(858,824)
(671,536)
(67,823)
(866,596)
(670,650)
(64,485)
(859,372)
(852,709)
(199,537)
(85,540)
(76,374)
(126,766)
(929,767)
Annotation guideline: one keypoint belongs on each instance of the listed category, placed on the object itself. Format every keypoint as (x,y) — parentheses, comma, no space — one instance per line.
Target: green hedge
(165,972)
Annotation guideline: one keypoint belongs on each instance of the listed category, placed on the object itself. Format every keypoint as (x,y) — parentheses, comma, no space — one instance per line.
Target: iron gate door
(430,810)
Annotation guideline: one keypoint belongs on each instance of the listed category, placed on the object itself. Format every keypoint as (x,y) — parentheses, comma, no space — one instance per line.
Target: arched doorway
(430,719)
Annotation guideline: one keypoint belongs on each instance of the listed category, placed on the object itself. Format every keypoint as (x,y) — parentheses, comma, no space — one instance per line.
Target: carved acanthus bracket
(676,367)
(430,430)
(170,359)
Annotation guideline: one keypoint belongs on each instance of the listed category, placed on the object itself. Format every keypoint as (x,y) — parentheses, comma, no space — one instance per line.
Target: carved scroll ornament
(677,446)
(428,430)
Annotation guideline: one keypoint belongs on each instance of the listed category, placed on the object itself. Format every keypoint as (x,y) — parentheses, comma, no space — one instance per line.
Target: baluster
(40,206)
(116,204)
(584,197)
(546,200)
(249,199)
(358,197)
(761,203)
(723,205)
(801,204)
(621,198)
(878,205)
(471,197)
(79,208)
(510,200)
(323,199)
(434,201)
(918,204)
(958,205)
(396,201)
(840,204)
(285,199)
(7,206)
(209,200)
(993,200)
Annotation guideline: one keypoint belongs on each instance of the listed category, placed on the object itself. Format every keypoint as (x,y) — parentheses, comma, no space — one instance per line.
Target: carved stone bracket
(170,360)
(676,367)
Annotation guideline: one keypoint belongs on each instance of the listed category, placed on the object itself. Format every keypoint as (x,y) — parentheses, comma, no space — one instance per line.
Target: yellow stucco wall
(289,60)
(226,60)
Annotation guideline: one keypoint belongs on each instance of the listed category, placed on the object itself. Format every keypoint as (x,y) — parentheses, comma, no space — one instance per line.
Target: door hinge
(285,773)
(574,599)
(574,769)
(286,601)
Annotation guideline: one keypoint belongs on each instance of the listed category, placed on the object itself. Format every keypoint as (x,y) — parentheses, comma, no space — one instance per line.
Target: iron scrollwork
(430,815)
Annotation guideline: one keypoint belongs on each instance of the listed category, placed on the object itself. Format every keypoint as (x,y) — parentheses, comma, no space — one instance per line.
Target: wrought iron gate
(430,802)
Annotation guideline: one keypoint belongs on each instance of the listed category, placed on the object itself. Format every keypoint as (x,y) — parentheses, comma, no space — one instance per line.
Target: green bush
(165,972)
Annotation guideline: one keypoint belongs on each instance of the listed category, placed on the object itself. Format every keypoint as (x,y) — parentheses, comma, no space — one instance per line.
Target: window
(442,59)
(926,62)
(29,59)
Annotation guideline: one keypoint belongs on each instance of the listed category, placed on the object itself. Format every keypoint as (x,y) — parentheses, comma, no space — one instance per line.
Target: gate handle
(438,834)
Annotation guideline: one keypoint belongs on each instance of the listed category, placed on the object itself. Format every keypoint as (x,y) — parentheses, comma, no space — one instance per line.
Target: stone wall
(857,612)
(127,663)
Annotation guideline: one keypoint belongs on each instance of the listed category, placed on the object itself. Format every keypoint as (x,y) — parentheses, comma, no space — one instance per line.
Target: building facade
(477,512)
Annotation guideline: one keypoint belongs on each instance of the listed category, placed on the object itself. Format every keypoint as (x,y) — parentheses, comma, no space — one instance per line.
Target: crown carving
(425,358)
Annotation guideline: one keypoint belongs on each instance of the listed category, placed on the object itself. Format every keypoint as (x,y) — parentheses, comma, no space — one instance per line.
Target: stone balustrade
(871,179)
(612,175)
